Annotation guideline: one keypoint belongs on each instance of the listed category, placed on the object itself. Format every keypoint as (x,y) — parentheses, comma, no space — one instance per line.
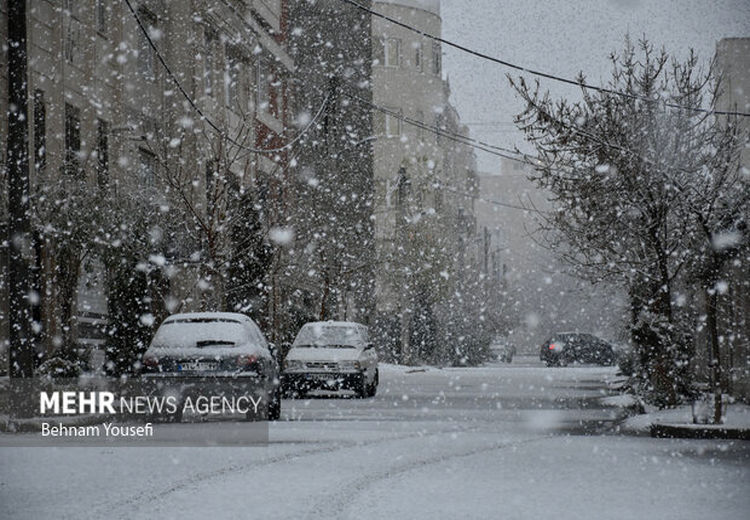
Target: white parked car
(213,353)
(332,355)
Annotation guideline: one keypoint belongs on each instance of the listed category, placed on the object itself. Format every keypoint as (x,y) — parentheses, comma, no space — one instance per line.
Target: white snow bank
(621,401)
(737,415)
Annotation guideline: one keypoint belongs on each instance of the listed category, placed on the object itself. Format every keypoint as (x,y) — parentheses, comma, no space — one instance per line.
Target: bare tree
(625,171)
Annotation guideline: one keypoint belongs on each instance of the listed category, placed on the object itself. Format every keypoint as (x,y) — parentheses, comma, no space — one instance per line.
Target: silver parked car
(332,355)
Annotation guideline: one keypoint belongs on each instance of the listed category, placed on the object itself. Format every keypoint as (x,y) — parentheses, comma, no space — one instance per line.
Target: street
(510,441)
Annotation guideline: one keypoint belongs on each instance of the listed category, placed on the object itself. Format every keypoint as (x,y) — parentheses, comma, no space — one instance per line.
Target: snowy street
(374,259)
(500,441)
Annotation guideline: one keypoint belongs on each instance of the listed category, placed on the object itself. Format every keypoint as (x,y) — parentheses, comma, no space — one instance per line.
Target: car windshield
(201,333)
(328,336)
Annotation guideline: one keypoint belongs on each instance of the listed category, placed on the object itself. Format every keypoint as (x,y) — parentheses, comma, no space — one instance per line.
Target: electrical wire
(484,199)
(203,116)
(461,139)
(538,73)
(479,145)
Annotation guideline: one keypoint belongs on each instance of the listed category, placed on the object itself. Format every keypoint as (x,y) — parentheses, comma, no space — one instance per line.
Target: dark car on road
(216,354)
(564,348)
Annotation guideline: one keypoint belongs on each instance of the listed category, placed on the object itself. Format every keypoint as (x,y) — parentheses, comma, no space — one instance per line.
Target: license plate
(198,366)
(321,377)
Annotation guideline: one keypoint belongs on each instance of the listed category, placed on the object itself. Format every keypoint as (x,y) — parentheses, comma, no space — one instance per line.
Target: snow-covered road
(503,441)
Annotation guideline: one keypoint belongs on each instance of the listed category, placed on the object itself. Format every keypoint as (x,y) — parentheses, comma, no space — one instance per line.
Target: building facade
(106,119)
(425,181)
(333,170)
(733,61)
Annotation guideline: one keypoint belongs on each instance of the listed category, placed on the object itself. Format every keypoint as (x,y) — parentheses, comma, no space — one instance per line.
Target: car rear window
(203,333)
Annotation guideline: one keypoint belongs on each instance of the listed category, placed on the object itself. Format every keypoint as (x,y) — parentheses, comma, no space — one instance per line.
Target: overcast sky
(564,37)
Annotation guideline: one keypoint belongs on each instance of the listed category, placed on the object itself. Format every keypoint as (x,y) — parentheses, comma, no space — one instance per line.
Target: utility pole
(402,239)
(21,348)
(486,250)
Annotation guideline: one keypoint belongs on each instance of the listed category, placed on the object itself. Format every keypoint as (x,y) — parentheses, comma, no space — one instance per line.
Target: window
(208,61)
(439,125)
(261,86)
(72,31)
(418,56)
(418,198)
(72,140)
(145,51)
(275,93)
(378,51)
(420,117)
(40,132)
(393,123)
(249,85)
(101,17)
(404,189)
(231,79)
(269,87)
(73,8)
(146,167)
(102,153)
(436,58)
(392,52)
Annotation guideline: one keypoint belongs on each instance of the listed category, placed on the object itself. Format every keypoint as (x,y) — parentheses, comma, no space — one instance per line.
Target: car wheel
(261,415)
(361,388)
(374,385)
(274,407)
(175,417)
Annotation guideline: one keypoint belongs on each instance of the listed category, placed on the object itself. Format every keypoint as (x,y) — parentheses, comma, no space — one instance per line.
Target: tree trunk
(715,361)
(326,292)
(21,343)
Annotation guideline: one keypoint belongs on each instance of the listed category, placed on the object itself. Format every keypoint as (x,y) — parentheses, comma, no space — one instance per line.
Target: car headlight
(349,365)
(293,364)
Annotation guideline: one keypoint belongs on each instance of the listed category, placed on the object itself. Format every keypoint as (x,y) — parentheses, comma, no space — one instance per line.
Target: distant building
(333,167)
(733,60)
(541,298)
(420,175)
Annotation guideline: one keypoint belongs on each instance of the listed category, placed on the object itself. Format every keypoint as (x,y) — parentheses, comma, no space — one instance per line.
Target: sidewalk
(678,422)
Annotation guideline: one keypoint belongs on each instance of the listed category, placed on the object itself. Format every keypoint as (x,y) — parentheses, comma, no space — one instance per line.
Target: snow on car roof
(218,316)
(334,323)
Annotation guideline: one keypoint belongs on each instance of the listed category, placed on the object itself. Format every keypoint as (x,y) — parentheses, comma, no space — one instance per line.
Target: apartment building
(733,61)
(104,109)
(423,178)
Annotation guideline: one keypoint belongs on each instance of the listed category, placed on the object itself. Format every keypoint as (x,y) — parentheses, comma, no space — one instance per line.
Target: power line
(536,72)
(461,139)
(203,116)
(484,199)
(468,141)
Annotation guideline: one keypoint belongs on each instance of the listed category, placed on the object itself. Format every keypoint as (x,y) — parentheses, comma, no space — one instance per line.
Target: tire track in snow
(124,508)
(334,505)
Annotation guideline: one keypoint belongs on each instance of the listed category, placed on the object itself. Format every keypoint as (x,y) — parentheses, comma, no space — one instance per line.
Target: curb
(677,431)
